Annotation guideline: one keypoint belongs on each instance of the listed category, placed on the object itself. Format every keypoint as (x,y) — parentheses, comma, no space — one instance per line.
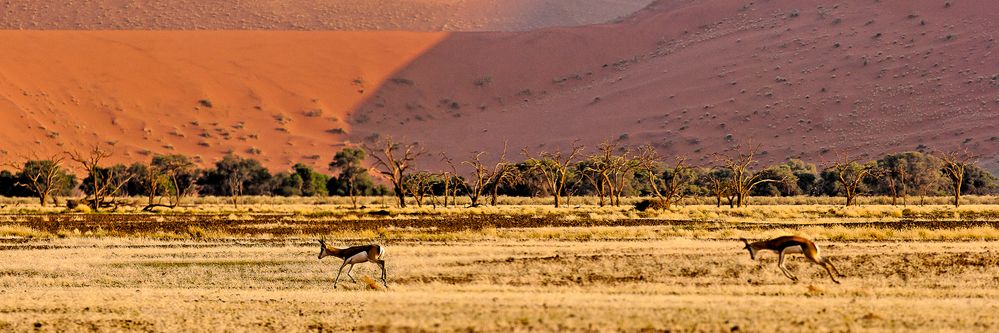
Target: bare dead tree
(480,174)
(665,190)
(622,170)
(954,165)
(609,172)
(597,169)
(419,185)
(742,177)
(234,182)
(507,174)
(448,177)
(484,177)
(502,173)
(850,176)
(393,159)
(44,176)
(103,182)
(554,168)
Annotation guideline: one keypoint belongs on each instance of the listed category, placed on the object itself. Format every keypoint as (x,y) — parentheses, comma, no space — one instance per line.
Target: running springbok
(355,255)
(792,244)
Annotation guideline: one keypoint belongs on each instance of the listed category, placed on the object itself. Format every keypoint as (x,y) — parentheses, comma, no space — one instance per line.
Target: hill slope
(804,79)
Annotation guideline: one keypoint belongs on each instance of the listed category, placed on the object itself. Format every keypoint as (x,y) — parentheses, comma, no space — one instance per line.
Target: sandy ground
(804,79)
(678,284)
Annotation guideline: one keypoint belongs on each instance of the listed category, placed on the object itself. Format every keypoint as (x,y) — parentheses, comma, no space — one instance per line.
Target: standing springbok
(355,255)
(792,244)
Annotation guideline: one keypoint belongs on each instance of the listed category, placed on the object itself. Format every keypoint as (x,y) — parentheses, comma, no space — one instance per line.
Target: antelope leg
(338,274)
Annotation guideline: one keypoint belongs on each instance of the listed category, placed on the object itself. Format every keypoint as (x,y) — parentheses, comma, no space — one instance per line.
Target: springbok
(792,244)
(355,255)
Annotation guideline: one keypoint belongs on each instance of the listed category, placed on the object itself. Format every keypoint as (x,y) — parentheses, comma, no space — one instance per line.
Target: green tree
(352,178)
(312,183)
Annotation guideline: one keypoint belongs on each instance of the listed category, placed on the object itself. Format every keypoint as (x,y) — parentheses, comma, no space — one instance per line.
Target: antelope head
(749,247)
(322,248)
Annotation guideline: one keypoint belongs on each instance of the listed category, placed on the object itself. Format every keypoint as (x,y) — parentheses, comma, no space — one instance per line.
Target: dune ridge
(401,15)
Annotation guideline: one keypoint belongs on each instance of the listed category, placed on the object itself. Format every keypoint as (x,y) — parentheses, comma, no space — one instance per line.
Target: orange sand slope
(279,95)
(804,78)
(408,15)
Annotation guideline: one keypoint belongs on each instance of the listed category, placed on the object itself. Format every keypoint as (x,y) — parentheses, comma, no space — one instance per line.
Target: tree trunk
(42,197)
(351,192)
(400,195)
(493,199)
(447,185)
(957,193)
(600,194)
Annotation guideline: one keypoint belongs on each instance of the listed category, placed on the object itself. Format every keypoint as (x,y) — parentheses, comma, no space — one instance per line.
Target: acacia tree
(954,165)
(501,174)
(393,160)
(674,181)
(176,171)
(44,177)
(553,168)
(234,176)
(597,168)
(608,172)
(484,177)
(347,162)
(621,172)
(892,173)
(419,185)
(850,175)
(742,178)
(480,175)
(913,172)
(448,178)
(103,183)
(719,184)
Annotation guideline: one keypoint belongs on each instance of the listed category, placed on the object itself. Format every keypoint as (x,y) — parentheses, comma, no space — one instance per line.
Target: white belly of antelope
(358,258)
(793,250)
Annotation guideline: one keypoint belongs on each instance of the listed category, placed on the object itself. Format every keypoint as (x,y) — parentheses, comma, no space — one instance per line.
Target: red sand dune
(407,15)
(276,95)
(804,79)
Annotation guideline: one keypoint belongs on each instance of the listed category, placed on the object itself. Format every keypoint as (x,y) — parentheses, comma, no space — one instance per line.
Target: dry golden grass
(588,268)
(82,284)
(690,208)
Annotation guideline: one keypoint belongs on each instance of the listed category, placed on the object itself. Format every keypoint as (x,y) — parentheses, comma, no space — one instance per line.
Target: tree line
(610,171)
